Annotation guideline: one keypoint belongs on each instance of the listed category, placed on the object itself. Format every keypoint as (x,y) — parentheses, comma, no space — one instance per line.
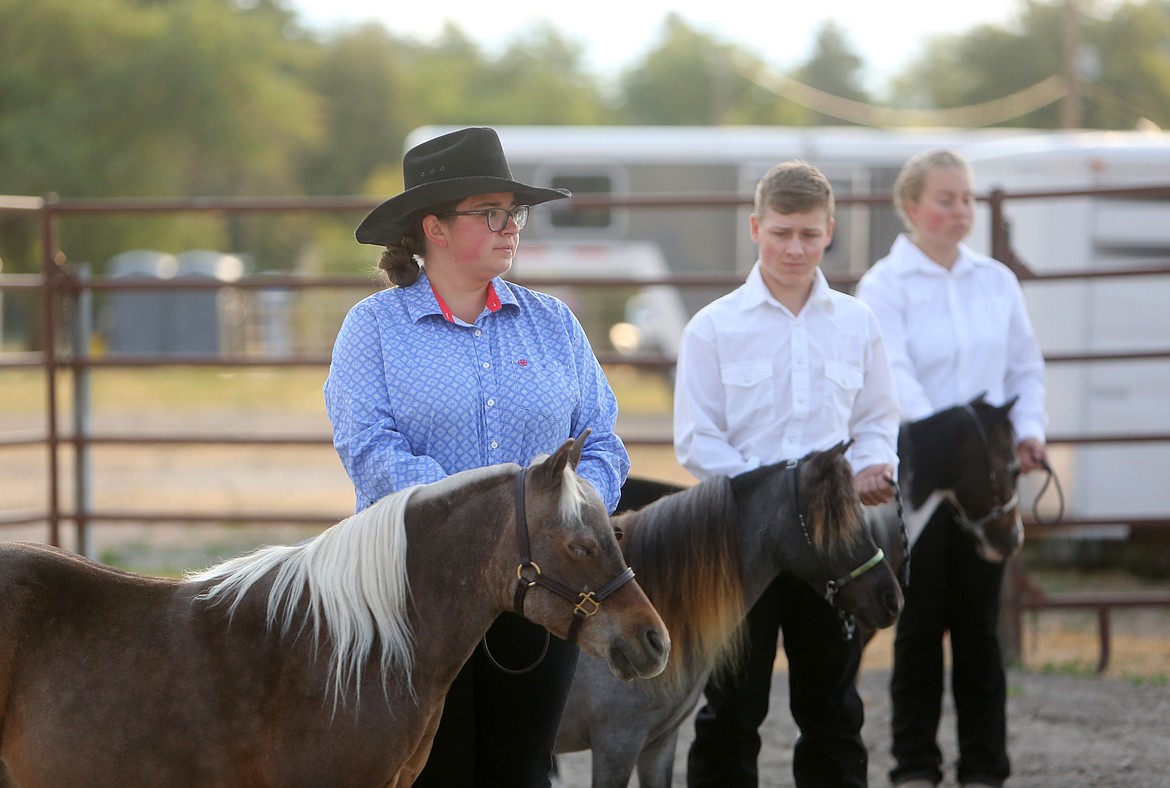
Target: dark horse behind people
(319,664)
(704,555)
(963,457)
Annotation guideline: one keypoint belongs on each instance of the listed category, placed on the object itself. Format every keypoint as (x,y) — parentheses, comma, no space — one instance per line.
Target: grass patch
(1077,668)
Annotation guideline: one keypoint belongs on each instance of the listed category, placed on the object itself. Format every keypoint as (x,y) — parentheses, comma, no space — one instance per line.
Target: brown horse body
(114,679)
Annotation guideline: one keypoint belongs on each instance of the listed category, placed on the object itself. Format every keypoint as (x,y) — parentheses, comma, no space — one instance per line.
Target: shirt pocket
(843,382)
(750,392)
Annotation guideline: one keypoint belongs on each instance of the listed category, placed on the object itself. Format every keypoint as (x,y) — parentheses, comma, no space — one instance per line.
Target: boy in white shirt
(780,367)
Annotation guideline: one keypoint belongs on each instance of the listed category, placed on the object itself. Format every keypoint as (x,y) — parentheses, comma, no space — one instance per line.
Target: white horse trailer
(1083,233)
(1080,316)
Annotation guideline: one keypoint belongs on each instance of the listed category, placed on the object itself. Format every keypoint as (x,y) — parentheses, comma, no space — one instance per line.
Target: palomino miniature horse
(704,556)
(320,664)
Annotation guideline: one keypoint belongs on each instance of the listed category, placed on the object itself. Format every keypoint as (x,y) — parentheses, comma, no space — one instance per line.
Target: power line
(989,113)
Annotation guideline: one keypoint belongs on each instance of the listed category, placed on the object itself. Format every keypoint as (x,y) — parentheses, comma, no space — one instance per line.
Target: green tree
(537,78)
(1129,71)
(1130,78)
(362,82)
(120,98)
(834,68)
(540,79)
(987,63)
(692,79)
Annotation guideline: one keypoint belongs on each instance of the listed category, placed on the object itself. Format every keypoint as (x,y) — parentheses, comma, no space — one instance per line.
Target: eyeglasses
(497,218)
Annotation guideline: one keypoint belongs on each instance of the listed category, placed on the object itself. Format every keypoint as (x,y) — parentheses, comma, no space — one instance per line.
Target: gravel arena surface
(1064,731)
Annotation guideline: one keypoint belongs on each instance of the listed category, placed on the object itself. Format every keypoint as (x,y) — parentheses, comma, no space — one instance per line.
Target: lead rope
(904,570)
(1054,480)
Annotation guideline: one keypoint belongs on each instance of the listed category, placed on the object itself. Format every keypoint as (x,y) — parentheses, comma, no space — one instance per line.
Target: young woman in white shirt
(955,325)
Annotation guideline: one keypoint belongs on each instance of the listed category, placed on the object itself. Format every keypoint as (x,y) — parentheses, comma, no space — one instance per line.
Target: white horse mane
(573,492)
(355,576)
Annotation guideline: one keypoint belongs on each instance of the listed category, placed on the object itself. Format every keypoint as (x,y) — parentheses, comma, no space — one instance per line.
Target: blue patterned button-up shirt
(414,397)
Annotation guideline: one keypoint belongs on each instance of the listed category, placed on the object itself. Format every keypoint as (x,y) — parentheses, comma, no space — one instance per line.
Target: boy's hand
(875,484)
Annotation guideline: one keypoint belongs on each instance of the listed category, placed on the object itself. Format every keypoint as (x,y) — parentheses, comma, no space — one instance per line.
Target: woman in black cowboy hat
(453,368)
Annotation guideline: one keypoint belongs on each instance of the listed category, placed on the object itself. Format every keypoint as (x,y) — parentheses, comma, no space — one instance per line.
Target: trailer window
(581,186)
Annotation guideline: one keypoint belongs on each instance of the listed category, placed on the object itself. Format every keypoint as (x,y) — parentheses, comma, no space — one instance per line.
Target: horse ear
(979,398)
(842,447)
(568,454)
(1007,406)
(577,446)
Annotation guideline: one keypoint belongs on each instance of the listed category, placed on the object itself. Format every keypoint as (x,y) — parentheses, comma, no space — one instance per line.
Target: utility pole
(1070,109)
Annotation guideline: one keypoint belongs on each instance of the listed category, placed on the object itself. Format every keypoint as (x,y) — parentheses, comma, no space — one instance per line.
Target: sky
(615,33)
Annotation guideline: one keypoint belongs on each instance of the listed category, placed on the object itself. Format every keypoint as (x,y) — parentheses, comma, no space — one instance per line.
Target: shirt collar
(424,300)
(756,292)
(909,259)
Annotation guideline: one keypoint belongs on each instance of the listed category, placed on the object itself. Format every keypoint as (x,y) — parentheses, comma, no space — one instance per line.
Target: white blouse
(952,335)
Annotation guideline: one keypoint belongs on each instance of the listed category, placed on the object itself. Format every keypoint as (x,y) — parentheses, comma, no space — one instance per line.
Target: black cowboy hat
(449,167)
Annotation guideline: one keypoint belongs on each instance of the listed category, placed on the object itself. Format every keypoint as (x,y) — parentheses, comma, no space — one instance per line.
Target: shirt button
(478,333)
(495,445)
(491,403)
(486,365)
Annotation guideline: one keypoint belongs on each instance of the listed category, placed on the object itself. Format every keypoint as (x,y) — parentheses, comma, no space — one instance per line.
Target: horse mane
(927,447)
(685,549)
(354,576)
(833,517)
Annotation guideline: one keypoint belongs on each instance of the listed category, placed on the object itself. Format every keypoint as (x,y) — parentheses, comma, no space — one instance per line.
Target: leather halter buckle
(587,605)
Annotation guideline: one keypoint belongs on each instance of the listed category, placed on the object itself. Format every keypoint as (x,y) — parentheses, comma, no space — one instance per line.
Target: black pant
(498,729)
(822,668)
(951,588)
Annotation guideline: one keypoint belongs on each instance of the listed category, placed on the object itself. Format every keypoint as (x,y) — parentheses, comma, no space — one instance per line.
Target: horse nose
(657,641)
(894,602)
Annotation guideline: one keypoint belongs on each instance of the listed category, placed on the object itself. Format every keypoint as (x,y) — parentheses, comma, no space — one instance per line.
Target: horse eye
(582,550)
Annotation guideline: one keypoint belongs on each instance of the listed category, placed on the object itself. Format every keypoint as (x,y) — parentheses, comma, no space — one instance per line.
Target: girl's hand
(1033,454)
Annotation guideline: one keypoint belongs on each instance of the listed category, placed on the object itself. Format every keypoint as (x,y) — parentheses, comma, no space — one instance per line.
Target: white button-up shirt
(756,384)
(954,334)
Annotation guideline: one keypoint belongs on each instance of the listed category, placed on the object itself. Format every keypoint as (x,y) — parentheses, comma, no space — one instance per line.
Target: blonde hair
(794,187)
(912,179)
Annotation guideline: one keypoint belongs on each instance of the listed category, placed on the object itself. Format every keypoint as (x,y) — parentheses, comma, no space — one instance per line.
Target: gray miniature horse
(704,555)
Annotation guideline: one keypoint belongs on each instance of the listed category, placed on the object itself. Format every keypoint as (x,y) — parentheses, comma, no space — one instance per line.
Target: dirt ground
(1064,731)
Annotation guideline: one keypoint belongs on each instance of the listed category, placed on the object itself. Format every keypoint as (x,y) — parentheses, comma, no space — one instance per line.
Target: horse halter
(998,510)
(528,574)
(848,625)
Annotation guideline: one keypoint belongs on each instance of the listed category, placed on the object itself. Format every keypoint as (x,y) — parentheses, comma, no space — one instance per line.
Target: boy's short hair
(794,187)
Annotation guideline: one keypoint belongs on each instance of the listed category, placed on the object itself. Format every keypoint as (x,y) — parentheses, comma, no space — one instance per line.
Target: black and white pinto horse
(963,457)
